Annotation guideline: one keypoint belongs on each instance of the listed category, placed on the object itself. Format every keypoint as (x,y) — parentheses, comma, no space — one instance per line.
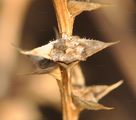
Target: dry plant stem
(64,19)
(65,24)
(69,110)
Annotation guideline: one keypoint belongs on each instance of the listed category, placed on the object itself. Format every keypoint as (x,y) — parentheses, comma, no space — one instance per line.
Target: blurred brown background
(30,23)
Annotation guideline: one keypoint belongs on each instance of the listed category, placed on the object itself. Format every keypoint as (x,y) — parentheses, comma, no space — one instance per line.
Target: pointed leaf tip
(95,46)
(77,7)
(108,89)
(83,103)
(113,43)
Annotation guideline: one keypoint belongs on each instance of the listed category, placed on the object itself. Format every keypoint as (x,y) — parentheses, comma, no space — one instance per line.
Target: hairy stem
(64,19)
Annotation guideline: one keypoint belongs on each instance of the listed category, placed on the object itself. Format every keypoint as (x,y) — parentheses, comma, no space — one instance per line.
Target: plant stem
(69,110)
(65,24)
(65,20)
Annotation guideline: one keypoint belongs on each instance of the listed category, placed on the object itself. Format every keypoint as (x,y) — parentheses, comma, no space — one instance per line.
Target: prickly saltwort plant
(59,57)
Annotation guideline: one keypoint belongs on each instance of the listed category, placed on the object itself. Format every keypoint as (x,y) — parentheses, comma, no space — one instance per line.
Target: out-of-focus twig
(11,19)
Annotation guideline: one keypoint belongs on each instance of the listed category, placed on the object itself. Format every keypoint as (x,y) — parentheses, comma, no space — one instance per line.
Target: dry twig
(65,53)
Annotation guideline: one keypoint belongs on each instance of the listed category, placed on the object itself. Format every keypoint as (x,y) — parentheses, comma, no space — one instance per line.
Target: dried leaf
(89,96)
(68,50)
(43,65)
(90,105)
(76,49)
(76,7)
(95,93)
(43,51)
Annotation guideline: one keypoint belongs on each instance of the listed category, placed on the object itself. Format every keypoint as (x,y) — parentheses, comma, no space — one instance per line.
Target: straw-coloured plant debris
(59,57)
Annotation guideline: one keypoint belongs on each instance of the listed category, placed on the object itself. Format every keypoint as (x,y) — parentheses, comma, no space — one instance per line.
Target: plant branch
(65,24)
(70,111)
(64,19)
